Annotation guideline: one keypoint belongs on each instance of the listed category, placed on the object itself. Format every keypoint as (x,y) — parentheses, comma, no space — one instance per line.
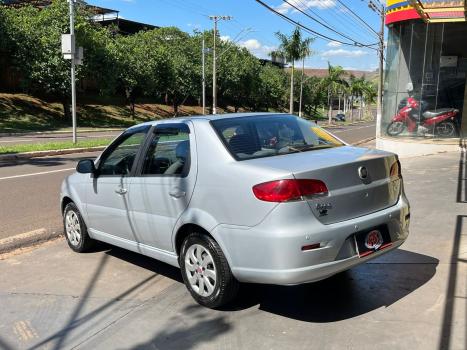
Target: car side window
(168,153)
(120,160)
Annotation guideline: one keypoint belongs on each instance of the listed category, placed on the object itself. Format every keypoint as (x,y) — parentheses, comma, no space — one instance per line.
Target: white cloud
(334,44)
(257,48)
(251,44)
(304,5)
(225,38)
(344,53)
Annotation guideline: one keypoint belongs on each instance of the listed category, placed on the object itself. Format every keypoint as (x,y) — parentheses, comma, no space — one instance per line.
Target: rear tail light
(289,190)
(395,169)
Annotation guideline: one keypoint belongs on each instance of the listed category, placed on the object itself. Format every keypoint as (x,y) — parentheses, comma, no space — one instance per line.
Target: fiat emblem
(362,172)
(374,240)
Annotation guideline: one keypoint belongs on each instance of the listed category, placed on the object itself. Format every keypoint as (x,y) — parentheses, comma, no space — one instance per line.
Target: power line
(358,17)
(325,25)
(351,27)
(305,28)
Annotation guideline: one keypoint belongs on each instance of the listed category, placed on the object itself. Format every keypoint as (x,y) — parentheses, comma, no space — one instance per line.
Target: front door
(164,185)
(107,199)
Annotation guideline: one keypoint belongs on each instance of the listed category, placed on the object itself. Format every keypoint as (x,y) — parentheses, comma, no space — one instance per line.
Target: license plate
(373,240)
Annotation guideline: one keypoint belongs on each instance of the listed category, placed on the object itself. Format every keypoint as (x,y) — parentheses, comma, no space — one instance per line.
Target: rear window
(271,135)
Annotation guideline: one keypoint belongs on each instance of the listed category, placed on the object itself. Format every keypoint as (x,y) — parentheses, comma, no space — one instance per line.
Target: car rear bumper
(271,252)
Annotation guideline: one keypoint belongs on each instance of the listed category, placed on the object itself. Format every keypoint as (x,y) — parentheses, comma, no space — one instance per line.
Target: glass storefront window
(425,80)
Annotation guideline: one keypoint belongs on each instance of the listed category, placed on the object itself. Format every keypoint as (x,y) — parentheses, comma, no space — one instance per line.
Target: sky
(254,27)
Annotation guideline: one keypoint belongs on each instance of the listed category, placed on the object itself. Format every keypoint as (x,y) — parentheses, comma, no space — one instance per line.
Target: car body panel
(261,240)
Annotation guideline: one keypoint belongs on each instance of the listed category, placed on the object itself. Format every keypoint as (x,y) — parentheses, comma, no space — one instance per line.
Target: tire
(395,128)
(446,129)
(219,286)
(76,232)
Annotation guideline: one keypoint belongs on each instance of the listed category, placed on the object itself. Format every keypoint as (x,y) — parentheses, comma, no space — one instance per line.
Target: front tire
(206,272)
(76,232)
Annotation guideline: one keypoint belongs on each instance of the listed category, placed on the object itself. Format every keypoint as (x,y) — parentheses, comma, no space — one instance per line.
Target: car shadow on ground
(376,284)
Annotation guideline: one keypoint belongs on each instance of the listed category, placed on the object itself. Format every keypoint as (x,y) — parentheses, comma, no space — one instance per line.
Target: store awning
(430,11)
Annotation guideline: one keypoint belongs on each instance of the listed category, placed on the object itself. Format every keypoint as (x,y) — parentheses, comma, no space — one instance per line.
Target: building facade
(425,77)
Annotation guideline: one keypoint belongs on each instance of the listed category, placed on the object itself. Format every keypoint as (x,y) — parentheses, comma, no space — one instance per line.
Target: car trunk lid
(343,169)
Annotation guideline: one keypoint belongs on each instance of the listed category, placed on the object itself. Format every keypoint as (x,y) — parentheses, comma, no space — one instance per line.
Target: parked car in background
(261,198)
(339,117)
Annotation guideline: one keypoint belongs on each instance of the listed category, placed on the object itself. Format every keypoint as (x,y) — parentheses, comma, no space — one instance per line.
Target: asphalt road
(55,137)
(30,188)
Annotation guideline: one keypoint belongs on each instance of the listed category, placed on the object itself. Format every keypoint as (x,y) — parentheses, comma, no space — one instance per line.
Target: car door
(107,198)
(162,191)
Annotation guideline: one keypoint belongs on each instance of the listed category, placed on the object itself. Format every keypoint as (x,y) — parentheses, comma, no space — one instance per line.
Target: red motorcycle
(411,116)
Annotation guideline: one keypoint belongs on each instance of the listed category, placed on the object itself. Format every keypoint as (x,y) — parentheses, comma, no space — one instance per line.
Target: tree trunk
(66,109)
(339,103)
(291,89)
(361,108)
(351,108)
(330,107)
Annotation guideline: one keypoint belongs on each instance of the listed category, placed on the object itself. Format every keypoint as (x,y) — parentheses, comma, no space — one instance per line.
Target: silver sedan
(262,198)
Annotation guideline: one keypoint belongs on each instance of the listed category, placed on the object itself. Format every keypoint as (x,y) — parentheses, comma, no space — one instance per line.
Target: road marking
(34,174)
(362,127)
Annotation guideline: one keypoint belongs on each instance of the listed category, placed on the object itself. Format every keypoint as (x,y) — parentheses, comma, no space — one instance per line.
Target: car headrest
(182,149)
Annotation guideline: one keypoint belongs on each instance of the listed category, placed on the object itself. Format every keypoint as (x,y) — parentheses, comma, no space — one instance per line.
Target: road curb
(27,155)
(28,239)
(364,141)
(53,132)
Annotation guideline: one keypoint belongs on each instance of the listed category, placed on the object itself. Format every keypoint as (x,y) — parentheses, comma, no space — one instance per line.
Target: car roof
(207,117)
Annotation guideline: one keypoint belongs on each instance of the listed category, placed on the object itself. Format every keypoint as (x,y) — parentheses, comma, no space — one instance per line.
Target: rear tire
(76,232)
(206,272)
(395,128)
(446,129)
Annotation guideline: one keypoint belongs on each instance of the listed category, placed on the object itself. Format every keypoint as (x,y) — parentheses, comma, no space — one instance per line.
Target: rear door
(164,185)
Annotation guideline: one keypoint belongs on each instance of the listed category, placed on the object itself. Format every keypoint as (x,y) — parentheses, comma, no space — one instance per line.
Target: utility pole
(381,11)
(214,68)
(301,88)
(73,73)
(204,77)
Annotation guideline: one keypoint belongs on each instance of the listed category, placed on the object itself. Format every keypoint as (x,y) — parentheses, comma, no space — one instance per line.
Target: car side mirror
(86,166)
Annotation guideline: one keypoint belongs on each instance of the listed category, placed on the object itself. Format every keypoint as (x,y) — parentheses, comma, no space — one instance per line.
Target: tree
(182,74)
(35,48)
(271,89)
(293,48)
(238,76)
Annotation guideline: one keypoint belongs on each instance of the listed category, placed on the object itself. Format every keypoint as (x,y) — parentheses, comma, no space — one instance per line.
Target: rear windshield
(271,135)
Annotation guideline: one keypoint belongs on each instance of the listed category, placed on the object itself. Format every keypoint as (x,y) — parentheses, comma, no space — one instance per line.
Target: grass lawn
(48,146)
(24,113)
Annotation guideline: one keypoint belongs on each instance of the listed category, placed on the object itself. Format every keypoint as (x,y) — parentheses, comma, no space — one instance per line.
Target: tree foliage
(162,64)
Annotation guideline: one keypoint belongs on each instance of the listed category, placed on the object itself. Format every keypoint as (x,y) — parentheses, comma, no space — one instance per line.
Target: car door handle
(121,190)
(177,193)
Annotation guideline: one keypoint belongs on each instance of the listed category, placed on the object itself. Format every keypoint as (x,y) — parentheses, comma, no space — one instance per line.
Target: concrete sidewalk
(413,298)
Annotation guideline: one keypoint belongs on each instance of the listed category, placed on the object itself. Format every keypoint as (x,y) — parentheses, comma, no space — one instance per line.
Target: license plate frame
(380,239)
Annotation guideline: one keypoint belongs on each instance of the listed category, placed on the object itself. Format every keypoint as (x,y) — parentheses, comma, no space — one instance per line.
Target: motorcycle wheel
(445,129)
(395,128)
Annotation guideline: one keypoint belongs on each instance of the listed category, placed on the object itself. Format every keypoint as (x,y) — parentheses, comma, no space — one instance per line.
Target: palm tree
(293,48)
(305,51)
(334,83)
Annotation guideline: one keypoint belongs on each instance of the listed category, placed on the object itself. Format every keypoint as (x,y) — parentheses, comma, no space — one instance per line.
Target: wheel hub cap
(201,270)
(73,227)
